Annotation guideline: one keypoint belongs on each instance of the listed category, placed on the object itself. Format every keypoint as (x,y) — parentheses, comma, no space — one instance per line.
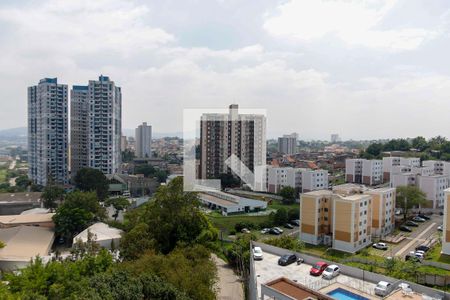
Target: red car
(318,268)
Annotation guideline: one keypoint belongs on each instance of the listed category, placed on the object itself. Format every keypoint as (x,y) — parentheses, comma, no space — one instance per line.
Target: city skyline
(370,81)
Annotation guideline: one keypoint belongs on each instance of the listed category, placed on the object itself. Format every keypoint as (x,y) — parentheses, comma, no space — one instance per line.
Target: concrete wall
(354,272)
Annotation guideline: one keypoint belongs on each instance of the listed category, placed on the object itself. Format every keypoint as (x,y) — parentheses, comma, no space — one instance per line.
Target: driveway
(420,234)
(228,287)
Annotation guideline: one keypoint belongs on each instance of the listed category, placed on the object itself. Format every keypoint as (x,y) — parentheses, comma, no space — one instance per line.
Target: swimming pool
(342,294)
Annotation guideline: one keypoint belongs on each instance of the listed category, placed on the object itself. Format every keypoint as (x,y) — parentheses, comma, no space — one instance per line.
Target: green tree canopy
(92,180)
(51,195)
(119,204)
(409,197)
(288,193)
(174,217)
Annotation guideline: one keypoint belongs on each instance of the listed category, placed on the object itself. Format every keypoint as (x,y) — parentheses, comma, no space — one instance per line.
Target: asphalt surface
(419,236)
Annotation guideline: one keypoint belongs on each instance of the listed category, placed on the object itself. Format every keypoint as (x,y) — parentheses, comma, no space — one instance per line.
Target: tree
(288,193)
(23,181)
(227,180)
(374,150)
(174,217)
(280,217)
(146,170)
(419,143)
(89,180)
(294,213)
(119,205)
(51,195)
(437,142)
(127,156)
(408,197)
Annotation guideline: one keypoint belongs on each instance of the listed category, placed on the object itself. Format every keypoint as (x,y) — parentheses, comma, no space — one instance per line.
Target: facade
(287,144)
(97,126)
(302,179)
(352,222)
(391,163)
(224,135)
(434,187)
(446,225)
(48,132)
(335,138)
(143,141)
(348,217)
(368,172)
(383,210)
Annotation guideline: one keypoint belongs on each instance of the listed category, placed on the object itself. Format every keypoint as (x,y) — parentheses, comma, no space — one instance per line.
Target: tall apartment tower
(48,132)
(287,144)
(143,140)
(96,126)
(223,135)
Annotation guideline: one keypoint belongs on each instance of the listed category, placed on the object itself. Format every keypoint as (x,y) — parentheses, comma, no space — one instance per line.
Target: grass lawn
(3,173)
(227,223)
(277,205)
(435,255)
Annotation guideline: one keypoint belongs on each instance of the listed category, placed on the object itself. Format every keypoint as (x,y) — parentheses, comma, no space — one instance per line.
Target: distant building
(224,135)
(143,141)
(301,179)
(335,138)
(369,172)
(96,126)
(391,162)
(104,235)
(229,204)
(446,225)
(48,132)
(123,143)
(287,144)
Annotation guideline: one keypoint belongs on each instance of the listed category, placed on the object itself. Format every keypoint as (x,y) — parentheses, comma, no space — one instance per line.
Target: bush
(241,225)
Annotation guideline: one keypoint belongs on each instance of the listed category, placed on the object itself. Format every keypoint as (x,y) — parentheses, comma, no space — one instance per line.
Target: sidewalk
(228,286)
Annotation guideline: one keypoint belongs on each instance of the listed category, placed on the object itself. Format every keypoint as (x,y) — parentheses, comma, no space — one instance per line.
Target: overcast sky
(363,69)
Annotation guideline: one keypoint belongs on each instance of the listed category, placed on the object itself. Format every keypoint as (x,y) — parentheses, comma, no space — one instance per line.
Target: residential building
(285,289)
(316,217)
(287,144)
(123,143)
(48,132)
(383,210)
(96,126)
(335,138)
(302,179)
(390,162)
(352,222)
(446,225)
(434,187)
(143,141)
(228,134)
(368,172)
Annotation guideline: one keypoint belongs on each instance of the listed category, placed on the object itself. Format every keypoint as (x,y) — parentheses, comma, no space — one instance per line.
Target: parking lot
(268,269)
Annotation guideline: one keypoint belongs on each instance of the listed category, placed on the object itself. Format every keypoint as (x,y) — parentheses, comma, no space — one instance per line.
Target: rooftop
(101,231)
(25,242)
(20,197)
(24,219)
(295,290)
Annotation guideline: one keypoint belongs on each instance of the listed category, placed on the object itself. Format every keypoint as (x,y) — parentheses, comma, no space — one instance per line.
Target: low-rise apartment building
(348,217)
(446,225)
(302,179)
(369,172)
(390,162)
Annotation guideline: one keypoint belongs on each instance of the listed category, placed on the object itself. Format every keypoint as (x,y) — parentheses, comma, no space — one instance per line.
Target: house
(102,233)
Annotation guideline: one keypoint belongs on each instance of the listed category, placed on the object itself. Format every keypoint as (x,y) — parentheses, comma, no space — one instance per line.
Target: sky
(362,69)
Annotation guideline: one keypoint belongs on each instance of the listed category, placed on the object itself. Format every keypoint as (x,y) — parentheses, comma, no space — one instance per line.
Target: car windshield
(329,269)
(317,266)
(257,250)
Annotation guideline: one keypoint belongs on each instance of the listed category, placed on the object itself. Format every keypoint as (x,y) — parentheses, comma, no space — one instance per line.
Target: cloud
(356,22)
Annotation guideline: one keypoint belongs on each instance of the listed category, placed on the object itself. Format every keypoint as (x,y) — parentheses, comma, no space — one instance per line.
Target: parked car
(245,230)
(274,231)
(411,223)
(383,288)
(424,216)
(418,219)
(295,222)
(287,225)
(440,228)
(265,230)
(405,228)
(279,229)
(398,212)
(330,272)
(421,252)
(318,268)
(423,248)
(257,253)
(287,259)
(412,258)
(380,246)
(300,260)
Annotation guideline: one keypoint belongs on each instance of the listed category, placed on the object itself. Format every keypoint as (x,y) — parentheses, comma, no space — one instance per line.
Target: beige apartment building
(446,225)
(348,217)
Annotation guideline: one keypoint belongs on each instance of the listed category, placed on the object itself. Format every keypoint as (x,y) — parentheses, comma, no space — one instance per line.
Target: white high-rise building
(287,144)
(48,132)
(143,140)
(96,126)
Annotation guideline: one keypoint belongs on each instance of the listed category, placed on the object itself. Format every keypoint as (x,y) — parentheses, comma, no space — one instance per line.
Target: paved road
(13,164)
(229,287)
(417,237)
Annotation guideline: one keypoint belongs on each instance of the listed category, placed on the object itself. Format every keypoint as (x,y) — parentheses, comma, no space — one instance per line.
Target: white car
(383,288)
(381,246)
(279,229)
(331,272)
(440,228)
(265,230)
(257,253)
